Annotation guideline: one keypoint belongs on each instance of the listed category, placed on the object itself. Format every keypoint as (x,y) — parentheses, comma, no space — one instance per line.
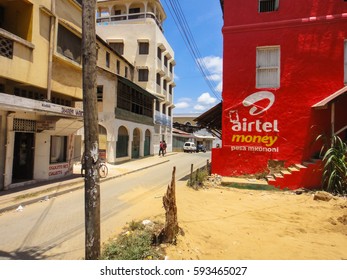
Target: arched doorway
(135,149)
(147,146)
(122,142)
(102,142)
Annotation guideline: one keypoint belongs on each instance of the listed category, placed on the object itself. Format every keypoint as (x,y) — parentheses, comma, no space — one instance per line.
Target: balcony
(162,119)
(114,19)
(7,42)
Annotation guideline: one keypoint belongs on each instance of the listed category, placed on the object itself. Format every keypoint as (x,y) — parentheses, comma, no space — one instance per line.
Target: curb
(54,191)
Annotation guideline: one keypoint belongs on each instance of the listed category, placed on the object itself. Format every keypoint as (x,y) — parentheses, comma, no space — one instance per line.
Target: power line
(188,38)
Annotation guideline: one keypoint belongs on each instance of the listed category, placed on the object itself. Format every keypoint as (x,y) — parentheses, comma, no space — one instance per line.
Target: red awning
(322,104)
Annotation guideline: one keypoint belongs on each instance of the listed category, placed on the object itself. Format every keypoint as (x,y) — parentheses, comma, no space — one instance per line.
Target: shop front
(38,140)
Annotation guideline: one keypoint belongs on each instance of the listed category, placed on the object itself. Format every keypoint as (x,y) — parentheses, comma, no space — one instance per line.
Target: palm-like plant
(335,166)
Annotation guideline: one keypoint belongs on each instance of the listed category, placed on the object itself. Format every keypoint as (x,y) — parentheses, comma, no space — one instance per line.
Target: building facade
(134,29)
(284,83)
(40,82)
(186,129)
(126,111)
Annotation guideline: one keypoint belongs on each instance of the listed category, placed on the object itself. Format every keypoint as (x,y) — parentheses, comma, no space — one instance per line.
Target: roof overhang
(323,104)
(15,103)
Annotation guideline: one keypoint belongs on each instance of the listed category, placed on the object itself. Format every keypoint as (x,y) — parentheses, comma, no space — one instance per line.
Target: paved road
(54,229)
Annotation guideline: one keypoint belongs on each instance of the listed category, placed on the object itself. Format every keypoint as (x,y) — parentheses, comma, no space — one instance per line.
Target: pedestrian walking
(161,150)
(164,148)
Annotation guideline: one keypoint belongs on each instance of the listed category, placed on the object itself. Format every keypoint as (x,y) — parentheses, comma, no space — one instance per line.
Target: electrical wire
(188,38)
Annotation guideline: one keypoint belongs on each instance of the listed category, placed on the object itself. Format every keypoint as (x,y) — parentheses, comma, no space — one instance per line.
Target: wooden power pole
(91,135)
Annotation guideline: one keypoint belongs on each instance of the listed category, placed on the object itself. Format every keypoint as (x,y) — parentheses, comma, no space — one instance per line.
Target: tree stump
(170,230)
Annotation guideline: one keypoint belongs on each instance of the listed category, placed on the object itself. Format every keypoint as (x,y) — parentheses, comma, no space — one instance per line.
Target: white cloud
(206,99)
(199,107)
(182,105)
(214,65)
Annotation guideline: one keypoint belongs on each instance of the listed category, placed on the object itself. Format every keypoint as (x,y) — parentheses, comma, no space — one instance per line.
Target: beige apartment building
(134,29)
(41,116)
(40,82)
(126,110)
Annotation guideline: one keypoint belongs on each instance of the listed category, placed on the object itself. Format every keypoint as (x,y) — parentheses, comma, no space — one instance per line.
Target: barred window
(24,125)
(268,67)
(268,5)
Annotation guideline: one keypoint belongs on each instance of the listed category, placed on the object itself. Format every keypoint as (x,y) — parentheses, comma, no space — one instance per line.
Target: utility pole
(91,135)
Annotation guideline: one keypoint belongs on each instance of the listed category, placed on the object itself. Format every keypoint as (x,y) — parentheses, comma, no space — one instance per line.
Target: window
(58,149)
(345,61)
(158,79)
(268,5)
(165,85)
(108,59)
(268,67)
(171,68)
(165,61)
(132,100)
(134,10)
(170,89)
(99,93)
(118,67)
(2,17)
(143,47)
(126,72)
(69,44)
(159,51)
(118,47)
(143,75)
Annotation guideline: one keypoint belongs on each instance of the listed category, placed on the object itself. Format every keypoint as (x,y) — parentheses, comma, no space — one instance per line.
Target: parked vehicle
(189,147)
(201,148)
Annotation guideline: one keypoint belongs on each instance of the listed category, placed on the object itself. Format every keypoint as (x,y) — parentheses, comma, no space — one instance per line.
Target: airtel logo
(252,99)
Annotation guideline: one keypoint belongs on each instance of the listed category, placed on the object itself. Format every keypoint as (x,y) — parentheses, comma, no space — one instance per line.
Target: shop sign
(58,170)
(250,130)
(45,125)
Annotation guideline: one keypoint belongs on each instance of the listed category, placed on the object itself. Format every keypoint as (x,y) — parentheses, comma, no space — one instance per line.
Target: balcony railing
(115,18)
(6,47)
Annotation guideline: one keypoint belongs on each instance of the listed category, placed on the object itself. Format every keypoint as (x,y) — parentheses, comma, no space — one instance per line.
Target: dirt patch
(227,223)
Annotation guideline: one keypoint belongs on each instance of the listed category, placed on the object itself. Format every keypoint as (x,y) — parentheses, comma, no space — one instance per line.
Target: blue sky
(204,17)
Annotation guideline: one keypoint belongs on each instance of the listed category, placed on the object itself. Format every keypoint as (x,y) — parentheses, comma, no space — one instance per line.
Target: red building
(285,77)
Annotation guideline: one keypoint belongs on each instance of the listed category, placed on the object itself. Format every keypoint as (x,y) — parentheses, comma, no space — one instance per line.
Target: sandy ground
(222,223)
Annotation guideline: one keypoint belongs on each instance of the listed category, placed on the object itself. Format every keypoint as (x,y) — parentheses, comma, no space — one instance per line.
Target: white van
(189,147)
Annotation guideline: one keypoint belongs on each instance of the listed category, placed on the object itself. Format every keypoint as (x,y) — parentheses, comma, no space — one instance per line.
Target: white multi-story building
(134,29)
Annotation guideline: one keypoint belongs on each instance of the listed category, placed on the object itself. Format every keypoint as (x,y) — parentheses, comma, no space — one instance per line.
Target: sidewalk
(39,191)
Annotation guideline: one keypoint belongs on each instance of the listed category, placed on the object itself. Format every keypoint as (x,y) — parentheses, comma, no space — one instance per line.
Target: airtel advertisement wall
(262,124)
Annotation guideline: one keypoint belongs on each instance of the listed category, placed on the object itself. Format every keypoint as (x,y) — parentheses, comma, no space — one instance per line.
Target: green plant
(199,176)
(334,152)
(136,243)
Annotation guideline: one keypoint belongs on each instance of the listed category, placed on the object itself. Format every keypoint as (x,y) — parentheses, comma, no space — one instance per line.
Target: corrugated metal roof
(330,98)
